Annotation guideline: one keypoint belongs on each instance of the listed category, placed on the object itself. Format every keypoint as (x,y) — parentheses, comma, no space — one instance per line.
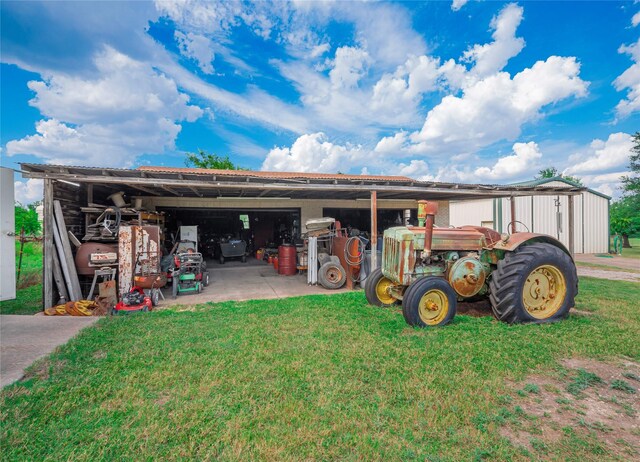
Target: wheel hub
(383,291)
(544,291)
(433,307)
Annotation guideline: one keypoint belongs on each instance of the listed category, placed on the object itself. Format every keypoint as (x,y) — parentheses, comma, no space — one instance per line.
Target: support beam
(374,230)
(195,191)
(147,190)
(172,191)
(513,215)
(571,227)
(47,296)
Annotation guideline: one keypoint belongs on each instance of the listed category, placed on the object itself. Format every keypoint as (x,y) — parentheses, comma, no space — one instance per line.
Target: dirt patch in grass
(587,403)
(44,369)
(476,309)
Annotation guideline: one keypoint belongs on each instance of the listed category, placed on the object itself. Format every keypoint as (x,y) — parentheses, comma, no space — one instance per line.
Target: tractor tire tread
(507,279)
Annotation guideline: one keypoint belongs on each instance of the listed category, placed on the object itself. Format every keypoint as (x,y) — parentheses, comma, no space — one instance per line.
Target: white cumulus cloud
(313,153)
(496,107)
(629,80)
(350,65)
(197,47)
(603,156)
(635,20)
(128,109)
(457,4)
(492,57)
(524,159)
(27,192)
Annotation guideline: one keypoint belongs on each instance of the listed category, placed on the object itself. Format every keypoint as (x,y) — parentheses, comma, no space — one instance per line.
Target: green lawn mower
(189,274)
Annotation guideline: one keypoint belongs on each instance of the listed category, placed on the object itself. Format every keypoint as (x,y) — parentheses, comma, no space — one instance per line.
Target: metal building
(544,214)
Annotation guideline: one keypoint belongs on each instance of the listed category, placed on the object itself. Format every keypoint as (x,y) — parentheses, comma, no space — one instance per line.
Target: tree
(203,159)
(631,185)
(548,172)
(624,218)
(625,213)
(552,172)
(27,218)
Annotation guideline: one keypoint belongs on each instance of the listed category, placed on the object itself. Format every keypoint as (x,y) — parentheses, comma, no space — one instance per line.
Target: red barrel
(287,260)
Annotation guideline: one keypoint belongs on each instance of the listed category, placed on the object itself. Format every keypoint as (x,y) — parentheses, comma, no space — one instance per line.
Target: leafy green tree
(548,172)
(203,159)
(27,218)
(552,172)
(625,218)
(631,185)
(625,213)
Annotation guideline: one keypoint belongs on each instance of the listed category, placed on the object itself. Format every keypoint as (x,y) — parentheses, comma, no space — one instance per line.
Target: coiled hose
(358,258)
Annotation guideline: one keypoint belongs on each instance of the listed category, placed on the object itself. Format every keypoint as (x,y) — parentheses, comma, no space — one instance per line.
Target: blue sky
(463,91)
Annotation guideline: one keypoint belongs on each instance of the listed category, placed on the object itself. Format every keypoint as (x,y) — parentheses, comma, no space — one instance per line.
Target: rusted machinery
(527,277)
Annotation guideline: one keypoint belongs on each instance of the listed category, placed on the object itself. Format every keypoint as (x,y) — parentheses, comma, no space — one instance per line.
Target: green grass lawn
(634,251)
(29,287)
(308,378)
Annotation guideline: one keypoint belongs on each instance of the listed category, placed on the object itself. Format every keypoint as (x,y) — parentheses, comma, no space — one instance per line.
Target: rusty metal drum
(287,260)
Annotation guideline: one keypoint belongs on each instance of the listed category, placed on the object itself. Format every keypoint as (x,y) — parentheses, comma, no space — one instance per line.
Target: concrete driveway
(23,339)
(247,281)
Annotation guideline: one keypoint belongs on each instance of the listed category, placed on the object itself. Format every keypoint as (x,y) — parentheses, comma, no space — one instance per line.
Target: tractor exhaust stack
(426,217)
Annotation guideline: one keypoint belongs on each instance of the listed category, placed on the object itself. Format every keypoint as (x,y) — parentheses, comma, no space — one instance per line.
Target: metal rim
(333,274)
(544,291)
(433,307)
(383,291)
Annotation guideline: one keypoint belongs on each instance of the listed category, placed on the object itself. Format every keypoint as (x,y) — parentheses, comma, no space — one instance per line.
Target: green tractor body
(527,277)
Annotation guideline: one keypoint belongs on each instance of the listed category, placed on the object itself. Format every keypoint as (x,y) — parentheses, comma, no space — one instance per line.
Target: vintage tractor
(527,277)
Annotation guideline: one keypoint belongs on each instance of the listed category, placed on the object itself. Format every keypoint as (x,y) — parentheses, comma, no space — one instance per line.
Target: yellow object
(544,291)
(79,308)
(433,307)
(383,291)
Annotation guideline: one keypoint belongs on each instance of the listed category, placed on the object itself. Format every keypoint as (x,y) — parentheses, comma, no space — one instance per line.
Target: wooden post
(374,230)
(571,226)
(47,296)
(513,215)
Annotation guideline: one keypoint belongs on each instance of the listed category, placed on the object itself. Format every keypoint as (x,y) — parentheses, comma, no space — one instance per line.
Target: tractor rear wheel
(376,289)
(429,302)
(536,283)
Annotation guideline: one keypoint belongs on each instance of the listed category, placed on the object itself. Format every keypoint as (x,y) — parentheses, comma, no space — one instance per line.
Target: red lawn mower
(133,302)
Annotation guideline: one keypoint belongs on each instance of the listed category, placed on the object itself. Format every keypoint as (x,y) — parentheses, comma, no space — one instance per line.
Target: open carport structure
(284,200)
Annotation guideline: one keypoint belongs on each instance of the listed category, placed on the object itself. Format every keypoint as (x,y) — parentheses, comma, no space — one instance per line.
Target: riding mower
(189,273)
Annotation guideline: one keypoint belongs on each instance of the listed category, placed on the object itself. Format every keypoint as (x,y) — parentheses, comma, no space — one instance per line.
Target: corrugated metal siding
(596,220)
(539,215)
(470,212)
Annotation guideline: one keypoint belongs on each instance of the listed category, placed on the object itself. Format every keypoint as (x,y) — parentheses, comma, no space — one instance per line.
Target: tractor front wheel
(429,302)
(377,289)
(536,283)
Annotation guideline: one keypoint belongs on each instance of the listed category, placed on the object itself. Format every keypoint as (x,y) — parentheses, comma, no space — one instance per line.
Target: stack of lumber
(64,268)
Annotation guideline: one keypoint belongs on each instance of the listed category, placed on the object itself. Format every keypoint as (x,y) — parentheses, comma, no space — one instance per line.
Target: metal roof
(190,182)
(274,175)
(560,178)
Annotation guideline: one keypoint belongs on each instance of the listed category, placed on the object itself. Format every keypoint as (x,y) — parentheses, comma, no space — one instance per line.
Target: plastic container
(287,260)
